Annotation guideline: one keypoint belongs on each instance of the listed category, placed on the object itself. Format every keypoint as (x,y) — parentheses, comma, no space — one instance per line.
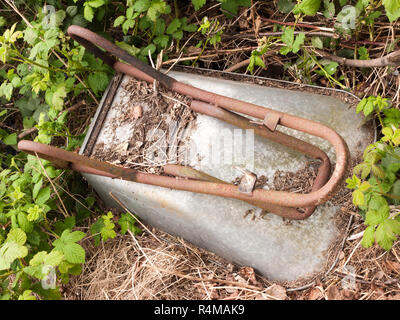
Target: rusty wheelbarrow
(281,203)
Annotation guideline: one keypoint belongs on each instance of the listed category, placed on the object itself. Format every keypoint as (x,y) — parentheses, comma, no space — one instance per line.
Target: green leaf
(71,10)
(88,13)
(34,213)
(329,11)
(127,222)
(198,4)
(43,196)
(384,235)
(317,42)
(173,26)
(285,6)
(95,3)
(375,217)
(298,42)
(13,248)
(288,36)
(358,198)
(27,295)
(72,251)
(6,90)
(10,139)
(98,82)
(392,8)
(307,7)
(119,21)
(141,5)
(368,237)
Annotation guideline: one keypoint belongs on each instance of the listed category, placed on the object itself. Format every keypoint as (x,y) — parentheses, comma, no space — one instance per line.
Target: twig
(232,283)
(238,65)
(293,24)
(391,59)
(65,213)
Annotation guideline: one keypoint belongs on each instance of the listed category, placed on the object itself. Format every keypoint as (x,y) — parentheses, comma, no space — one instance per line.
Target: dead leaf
(249,274)
(257,25)
(315,294)
(276,291)
(333,293)
(393,266)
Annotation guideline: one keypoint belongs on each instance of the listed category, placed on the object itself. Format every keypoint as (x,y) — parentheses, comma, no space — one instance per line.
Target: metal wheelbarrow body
(213,217)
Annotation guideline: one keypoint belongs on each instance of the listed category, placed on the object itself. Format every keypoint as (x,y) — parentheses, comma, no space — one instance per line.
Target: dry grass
(161,266)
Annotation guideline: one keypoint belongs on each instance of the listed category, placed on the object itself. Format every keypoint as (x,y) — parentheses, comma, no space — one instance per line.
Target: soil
(150,110)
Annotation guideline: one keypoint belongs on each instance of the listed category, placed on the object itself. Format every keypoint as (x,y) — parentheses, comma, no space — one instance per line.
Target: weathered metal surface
(321,192)
(274,248)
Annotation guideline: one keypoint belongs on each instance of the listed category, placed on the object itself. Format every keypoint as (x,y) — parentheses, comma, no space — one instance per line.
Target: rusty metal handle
(279,201)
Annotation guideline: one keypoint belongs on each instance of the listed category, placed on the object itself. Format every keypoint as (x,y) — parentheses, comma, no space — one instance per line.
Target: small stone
(137,112)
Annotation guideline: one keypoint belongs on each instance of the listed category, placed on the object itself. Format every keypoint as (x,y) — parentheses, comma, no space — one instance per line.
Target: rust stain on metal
(284,204)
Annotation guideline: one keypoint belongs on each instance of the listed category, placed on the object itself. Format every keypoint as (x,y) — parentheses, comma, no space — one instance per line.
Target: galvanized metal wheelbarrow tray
(105,176)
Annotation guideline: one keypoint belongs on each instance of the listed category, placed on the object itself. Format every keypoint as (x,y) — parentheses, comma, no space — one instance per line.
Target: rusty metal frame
(282,203)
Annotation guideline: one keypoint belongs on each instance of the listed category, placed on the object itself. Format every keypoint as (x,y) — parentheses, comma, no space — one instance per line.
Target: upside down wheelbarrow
(198,187)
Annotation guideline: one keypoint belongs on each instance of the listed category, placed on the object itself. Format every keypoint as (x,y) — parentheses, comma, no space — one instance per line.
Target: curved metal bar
(278,199)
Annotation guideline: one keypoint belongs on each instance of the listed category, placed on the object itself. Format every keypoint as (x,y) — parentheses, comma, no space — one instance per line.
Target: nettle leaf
(368,237)
(198,4)
(88,13)
(103,227)
(384,235)
(307,7)
(13,248)
(329,11)
(127,222)
(43,196)
(358,198)
(141,5)
(392,8)
(67,245)
(298,42)
(98,81)
(285,6)
(10,139)
(173,26)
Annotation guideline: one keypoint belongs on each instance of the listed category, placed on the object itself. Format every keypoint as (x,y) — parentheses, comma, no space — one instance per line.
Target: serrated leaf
(53,259)
(384,236)
(10,139)
(368,237)
(74,253)
(88,13)
(285,6)
(358,198)
(141,5)
(98,82)
(198,4)
(43,196)
(392,8)
(119,21)
(298,42)
(307,7)
(317,42)
(173,26)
